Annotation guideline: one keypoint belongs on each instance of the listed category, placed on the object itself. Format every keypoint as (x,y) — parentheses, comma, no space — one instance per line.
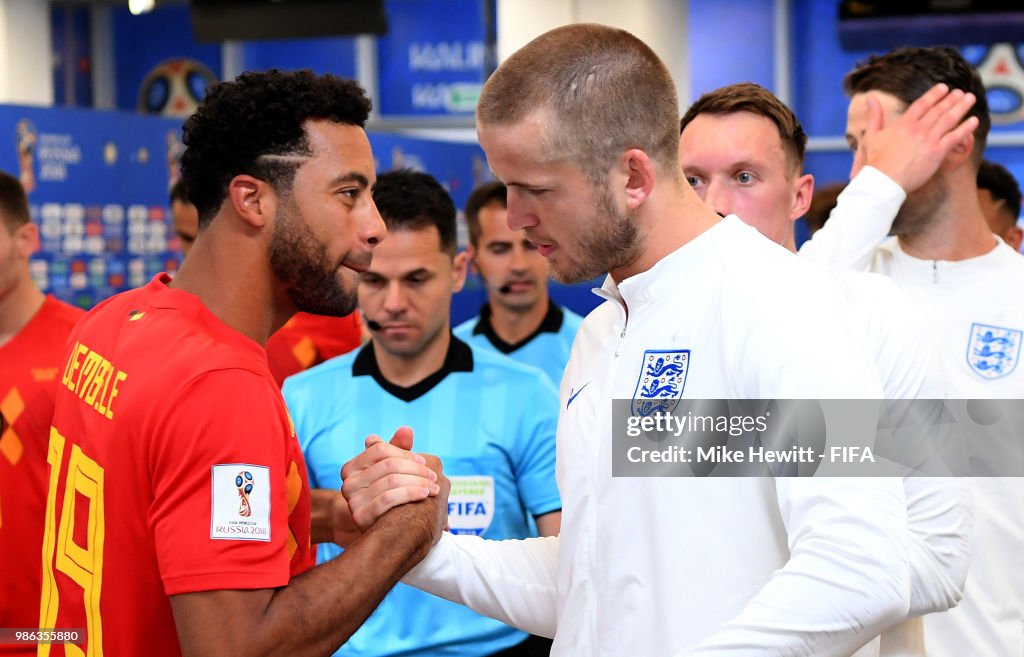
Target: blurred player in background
(917,124)
(742,150)
(519,318)
(1000,199)
(33,330)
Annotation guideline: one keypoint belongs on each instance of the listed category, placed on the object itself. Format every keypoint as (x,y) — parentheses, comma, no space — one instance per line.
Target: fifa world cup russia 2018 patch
(240,504)
(659,386)
(993,351)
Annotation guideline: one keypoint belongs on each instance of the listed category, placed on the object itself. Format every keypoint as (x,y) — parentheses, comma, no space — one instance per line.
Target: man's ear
(804,192)
(471,258)
(26,239)
(1014,236)
(960,153)
(638,170)
(460,267)
(252,199)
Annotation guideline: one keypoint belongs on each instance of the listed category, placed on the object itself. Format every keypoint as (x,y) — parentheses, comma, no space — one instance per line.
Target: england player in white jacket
(581,124)
(922,191)
(742,150)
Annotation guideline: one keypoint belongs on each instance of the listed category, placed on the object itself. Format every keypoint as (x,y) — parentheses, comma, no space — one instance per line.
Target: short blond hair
(605,91)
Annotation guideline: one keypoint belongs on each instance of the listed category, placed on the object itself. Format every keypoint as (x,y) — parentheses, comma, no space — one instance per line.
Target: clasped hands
(386,476)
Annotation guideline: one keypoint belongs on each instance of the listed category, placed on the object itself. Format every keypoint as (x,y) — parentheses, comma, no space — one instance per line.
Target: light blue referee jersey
(547,348)
(492,423)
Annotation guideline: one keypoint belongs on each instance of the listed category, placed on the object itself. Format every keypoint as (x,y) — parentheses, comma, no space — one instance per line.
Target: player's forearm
(939,519)
(513,581)
(846,581)
(319,610)
(860,222)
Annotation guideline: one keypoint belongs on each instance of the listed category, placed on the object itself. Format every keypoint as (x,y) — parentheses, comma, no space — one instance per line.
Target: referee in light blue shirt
(519,319)
(491,420)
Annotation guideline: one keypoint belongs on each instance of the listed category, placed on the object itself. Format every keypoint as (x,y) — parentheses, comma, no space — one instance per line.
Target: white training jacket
(963,304)
(938,508)
(741,567)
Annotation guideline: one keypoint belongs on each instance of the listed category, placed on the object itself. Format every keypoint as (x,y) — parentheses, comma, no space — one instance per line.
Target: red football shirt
(175,469)
(307,340)
(29,369)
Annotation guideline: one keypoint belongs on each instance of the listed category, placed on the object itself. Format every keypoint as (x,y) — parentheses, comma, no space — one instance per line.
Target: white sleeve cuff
(512,581)
(859,223)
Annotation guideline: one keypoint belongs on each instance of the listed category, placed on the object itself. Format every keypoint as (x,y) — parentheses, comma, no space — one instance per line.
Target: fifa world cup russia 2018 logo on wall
(26,140)
(244,482)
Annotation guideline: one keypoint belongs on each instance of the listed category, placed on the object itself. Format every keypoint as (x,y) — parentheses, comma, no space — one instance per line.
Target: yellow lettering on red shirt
(73,364)
(121,376)
(94,379)
(96,384)
(88,371)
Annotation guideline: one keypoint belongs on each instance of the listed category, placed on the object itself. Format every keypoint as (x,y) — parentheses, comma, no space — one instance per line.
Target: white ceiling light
(140,6)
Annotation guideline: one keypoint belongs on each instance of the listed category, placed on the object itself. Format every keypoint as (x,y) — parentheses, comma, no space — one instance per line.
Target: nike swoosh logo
(573,396)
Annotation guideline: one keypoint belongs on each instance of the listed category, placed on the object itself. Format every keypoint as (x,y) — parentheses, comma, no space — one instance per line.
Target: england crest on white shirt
(659,387)
(993,351)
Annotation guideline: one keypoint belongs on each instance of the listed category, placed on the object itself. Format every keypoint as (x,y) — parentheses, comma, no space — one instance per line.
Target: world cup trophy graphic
(244,482)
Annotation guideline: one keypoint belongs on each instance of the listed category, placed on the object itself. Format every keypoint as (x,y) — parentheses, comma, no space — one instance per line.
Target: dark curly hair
(259,114)
(410,200)
(907,73)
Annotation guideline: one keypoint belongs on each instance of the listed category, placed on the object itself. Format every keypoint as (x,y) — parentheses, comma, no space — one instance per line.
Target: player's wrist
(417,525)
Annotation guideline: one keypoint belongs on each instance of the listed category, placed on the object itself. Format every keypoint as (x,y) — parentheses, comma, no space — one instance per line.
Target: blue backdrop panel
(730,41)
(819,65)
(142,42)
(434,58)
(97,186)
(335,55)
(70,29)
(458,166)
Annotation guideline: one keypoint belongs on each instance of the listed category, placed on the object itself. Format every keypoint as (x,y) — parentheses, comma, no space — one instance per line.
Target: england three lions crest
(993,351)
(659,387)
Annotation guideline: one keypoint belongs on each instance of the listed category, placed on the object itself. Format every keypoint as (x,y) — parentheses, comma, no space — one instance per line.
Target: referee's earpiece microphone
(372,325)
(505,289)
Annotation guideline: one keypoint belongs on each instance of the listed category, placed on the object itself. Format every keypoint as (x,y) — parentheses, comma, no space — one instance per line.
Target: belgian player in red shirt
(33,330)
(177,520)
